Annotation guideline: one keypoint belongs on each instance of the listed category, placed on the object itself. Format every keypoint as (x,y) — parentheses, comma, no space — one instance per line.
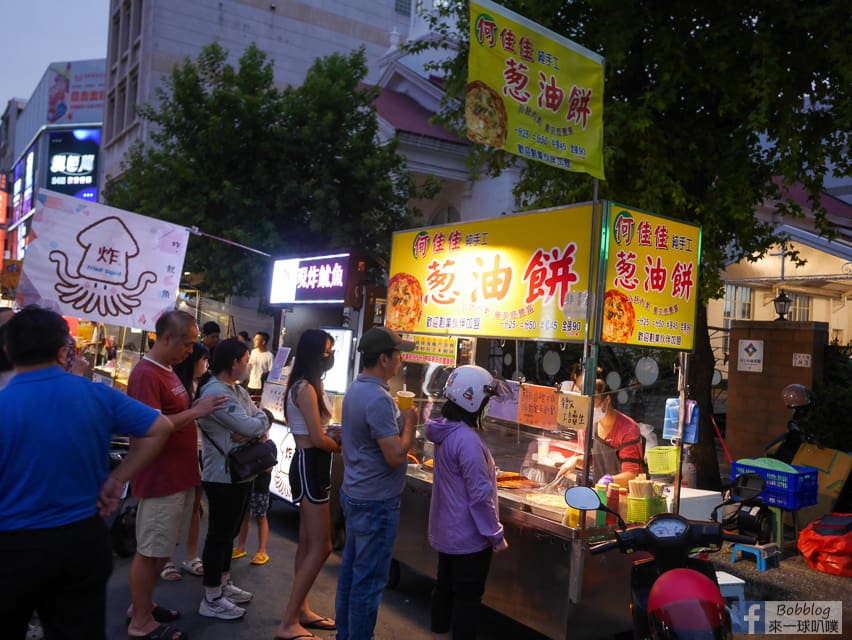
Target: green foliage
(831,411)
(691,91)
(284,172)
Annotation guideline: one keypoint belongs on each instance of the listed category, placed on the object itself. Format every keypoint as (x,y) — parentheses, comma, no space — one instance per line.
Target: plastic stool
(731,586)
(761,553)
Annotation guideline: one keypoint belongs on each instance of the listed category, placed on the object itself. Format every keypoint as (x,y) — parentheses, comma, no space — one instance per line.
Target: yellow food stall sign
(651,289)
(532,92)
(521,276)
(537,406)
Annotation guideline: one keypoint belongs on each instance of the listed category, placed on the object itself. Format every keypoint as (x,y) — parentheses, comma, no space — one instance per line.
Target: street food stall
(324,292)
(526,295)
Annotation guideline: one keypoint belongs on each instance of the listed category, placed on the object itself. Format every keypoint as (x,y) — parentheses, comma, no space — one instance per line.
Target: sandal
(161,614)
(260,558)
(170,572)
(162,632)
(322,624)
(237,553)
(194,566)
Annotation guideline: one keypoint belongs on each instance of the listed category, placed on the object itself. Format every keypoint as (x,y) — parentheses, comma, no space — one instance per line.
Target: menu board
(518,276)
(538,406)
(651,289)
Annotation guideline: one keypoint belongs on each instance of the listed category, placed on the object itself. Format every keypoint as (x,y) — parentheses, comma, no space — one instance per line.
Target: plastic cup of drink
(405,400)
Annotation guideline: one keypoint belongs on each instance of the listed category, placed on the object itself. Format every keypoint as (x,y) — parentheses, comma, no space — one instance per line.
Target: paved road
(404,612)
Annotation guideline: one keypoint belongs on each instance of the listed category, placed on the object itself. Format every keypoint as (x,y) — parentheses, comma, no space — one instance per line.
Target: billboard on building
(72,162)
(75,91)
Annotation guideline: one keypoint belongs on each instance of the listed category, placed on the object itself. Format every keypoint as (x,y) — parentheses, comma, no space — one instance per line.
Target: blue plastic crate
(788,486)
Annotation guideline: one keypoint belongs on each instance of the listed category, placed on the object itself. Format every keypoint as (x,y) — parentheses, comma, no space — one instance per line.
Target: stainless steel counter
(545,579)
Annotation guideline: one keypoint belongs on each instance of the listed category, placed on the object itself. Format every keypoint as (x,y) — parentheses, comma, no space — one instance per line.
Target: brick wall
(756,413)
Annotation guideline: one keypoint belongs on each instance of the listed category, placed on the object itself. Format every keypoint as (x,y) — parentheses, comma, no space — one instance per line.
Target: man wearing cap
(376,438)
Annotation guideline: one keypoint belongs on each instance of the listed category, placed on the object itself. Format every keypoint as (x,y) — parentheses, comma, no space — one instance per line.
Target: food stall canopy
(326,279)
(527,276)
(95,262)
(521,276)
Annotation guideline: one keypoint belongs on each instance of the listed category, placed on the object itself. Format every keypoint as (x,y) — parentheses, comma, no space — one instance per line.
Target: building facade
(51,141)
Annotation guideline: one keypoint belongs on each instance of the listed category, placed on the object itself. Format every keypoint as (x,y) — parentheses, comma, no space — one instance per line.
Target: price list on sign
(538,406)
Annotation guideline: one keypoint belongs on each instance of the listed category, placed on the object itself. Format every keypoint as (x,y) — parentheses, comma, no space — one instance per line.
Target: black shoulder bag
(248,459)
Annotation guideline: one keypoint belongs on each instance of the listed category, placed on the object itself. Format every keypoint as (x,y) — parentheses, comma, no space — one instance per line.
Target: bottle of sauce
(600,516)
(612,501)
(622,503)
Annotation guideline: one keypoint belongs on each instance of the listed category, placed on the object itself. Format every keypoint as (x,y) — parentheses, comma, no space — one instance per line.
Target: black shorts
(310,475)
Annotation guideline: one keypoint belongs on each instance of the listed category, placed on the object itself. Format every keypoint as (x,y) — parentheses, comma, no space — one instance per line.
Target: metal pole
(683,363)
(590,347)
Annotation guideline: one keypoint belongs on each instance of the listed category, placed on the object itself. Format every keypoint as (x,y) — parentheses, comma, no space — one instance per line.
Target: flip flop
(237,553)
(321,624)
(162,632)
(260,558)
(161,614)
(170,573)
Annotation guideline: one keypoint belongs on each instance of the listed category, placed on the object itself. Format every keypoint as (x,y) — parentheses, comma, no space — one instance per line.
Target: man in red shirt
(166,488)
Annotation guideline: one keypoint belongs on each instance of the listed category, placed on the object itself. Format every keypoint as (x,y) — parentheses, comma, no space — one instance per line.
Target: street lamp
(782,305)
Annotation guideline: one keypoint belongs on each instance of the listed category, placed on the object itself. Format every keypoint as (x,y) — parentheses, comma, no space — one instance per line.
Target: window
(403,7)
(800,310)
(737,307)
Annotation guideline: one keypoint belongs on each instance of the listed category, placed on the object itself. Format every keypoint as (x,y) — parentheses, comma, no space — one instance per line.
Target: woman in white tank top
(308,415)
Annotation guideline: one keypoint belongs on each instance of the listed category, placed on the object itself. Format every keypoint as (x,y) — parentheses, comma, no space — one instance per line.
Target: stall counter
(545,580)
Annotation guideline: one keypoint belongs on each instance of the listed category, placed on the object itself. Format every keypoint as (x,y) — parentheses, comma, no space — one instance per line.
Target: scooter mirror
(582,499)
(747,486)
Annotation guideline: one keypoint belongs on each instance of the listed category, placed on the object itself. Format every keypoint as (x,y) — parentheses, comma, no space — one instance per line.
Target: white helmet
(469,387)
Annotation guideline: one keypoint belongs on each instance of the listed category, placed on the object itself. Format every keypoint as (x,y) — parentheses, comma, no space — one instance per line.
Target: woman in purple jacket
(463,524)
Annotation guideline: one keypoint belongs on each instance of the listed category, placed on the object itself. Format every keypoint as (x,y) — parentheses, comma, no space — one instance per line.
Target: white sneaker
(235,594)
(222,608)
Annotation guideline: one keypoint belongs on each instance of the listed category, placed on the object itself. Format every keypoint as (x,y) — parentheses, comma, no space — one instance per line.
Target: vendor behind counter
(617,451)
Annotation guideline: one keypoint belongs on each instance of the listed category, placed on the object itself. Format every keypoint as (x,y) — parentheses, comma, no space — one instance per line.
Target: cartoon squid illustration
(100,283)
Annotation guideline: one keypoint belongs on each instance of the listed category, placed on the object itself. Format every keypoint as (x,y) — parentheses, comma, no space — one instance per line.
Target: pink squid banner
(95,262)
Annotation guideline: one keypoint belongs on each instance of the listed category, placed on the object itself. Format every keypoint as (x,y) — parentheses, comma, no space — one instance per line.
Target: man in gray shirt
(376,439)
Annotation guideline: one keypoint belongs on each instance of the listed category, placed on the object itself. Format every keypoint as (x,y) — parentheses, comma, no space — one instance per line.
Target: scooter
(672,594)
(798,398)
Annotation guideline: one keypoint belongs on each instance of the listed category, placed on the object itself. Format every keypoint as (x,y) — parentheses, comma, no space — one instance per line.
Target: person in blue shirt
(55,482)
(376,439)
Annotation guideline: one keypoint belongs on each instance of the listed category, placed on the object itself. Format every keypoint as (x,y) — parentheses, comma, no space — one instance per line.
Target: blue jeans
(370,533)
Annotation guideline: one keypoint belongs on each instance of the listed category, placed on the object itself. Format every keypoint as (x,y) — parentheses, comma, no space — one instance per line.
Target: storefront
(511,294)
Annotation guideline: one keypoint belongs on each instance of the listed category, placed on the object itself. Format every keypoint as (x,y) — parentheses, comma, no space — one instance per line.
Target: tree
(285,172)
(711,109)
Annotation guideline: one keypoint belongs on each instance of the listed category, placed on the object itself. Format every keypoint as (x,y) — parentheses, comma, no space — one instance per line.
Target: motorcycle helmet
(684,603)
(796,395)
(469,387)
